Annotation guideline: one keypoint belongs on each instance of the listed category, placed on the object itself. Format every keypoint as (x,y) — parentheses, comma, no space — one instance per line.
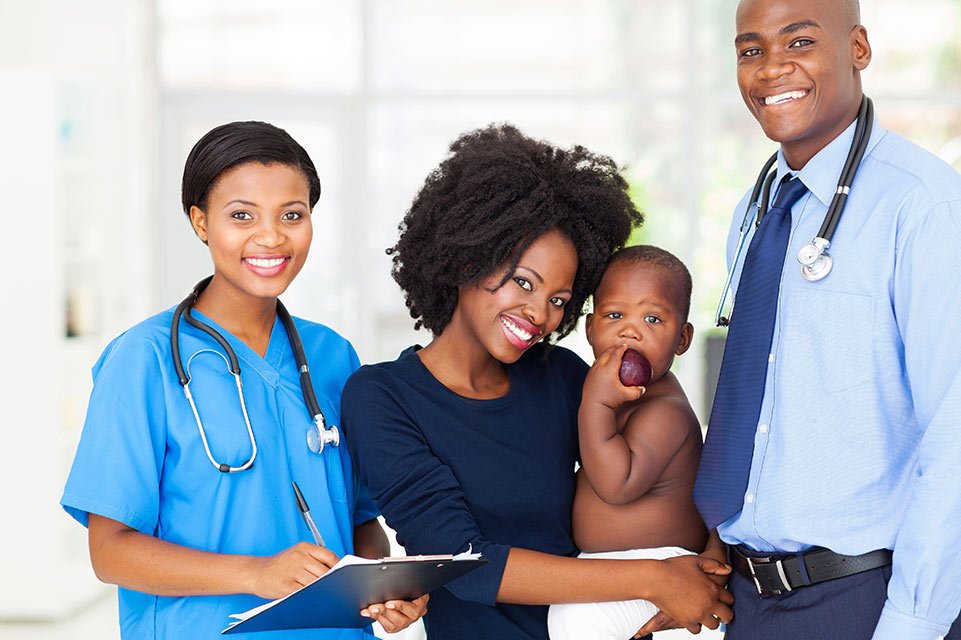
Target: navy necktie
(726,460)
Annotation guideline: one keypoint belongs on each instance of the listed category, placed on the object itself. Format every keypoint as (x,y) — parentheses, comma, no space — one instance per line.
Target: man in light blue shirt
(857,447)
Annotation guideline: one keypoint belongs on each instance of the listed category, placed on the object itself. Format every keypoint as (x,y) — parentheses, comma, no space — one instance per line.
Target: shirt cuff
(365,513)
(897,625)
(482,584)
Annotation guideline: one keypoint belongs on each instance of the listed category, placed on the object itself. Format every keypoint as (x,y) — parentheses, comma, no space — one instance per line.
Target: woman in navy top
(471,441)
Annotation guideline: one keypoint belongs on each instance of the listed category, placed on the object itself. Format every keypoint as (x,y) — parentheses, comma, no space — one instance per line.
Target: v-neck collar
(267,366)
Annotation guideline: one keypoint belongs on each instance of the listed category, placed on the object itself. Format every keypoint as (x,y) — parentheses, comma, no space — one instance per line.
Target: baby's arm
(623,464)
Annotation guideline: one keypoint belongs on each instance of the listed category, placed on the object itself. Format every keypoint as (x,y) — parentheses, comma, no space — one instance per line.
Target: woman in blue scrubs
(186,543)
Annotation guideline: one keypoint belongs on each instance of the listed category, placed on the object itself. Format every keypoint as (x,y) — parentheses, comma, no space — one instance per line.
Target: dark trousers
(842,609)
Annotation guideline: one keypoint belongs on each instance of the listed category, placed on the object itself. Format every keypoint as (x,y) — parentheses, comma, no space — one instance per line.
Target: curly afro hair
(496,193)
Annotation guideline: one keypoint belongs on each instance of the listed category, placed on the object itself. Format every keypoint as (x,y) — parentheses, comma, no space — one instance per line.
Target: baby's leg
(607,620)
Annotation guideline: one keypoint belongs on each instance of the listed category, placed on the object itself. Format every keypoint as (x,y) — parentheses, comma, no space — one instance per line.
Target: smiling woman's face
(257,225)
(509,319)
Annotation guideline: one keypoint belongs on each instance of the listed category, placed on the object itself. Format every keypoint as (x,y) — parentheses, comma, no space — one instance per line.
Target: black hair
(496,193)
(661,258)
(230,145)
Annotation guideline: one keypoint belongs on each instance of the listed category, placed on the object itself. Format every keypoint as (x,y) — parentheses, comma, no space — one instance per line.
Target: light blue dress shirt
(141,461)
(858,445)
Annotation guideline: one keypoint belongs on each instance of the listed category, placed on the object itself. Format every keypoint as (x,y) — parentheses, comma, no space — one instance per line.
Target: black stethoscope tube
(862,134)
(814,259)
(762,188)
(316,440)
(306,386)
(859,145)
(765,197)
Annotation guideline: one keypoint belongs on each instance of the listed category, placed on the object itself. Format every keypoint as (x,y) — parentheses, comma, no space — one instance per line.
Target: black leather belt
(781,572)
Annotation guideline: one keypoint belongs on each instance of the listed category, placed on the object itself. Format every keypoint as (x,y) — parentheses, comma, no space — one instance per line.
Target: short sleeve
(419,496)
(116,470)
(365,508)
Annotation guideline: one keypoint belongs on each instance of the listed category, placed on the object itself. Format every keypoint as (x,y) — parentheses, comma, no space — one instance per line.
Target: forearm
(922,591)
(715,547)
(607,457)
(716,550)
(370,540)
(535,578)
(679,586)
(133,560)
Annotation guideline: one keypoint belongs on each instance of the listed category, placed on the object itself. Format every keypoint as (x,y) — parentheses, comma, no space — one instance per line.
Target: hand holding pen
(281,574)
(393,615)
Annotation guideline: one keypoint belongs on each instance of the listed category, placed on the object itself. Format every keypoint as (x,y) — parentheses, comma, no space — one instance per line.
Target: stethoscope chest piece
(815,261)
(318,437)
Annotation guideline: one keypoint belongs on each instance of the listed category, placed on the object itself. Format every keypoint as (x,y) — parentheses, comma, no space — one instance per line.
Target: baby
(640,447)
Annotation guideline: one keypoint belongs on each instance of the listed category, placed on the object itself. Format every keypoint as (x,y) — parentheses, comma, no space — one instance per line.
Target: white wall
(77,123)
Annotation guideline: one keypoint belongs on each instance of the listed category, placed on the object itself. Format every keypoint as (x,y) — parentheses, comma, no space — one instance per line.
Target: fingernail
(391,606)
(364,614)
(374,610)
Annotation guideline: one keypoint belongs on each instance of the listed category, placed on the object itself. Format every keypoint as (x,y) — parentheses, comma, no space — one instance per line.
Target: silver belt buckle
(761,591)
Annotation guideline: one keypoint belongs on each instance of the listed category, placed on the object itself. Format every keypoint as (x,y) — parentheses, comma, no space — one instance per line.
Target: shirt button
(762,428)
(749,498)
(770,357)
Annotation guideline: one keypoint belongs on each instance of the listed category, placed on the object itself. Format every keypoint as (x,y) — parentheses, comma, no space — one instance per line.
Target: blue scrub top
(141,460)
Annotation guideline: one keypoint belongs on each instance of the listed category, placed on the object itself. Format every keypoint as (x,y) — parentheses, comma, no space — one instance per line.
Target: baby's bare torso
(665,515)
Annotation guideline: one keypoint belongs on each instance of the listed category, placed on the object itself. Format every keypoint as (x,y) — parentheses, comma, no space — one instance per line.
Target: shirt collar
(821,172)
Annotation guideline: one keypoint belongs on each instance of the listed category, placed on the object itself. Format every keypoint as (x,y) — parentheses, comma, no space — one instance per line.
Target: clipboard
(335,599)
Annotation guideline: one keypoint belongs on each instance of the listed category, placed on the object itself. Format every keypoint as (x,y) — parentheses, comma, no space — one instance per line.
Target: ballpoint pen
(305,511)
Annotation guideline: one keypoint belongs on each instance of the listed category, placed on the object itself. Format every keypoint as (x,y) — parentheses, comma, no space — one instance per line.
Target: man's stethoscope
(814,258)
(318,434)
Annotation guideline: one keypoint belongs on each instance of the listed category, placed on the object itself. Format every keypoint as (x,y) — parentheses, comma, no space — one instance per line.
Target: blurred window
(292,45)
(377,89)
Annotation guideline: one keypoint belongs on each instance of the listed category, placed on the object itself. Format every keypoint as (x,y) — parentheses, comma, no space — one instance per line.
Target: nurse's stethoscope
(318,434)
(814,258)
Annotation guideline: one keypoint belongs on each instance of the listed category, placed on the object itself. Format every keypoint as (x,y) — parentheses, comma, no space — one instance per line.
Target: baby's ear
(684,342)
(589,328)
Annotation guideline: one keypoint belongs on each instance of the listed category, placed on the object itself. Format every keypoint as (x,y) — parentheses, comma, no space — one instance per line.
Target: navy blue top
(450,472)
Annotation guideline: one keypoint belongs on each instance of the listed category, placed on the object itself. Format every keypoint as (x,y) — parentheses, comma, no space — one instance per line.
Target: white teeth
(783,97)
(517,331)
(265,263)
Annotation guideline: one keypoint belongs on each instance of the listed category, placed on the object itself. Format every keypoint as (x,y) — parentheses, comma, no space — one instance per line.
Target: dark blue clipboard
(335,599)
